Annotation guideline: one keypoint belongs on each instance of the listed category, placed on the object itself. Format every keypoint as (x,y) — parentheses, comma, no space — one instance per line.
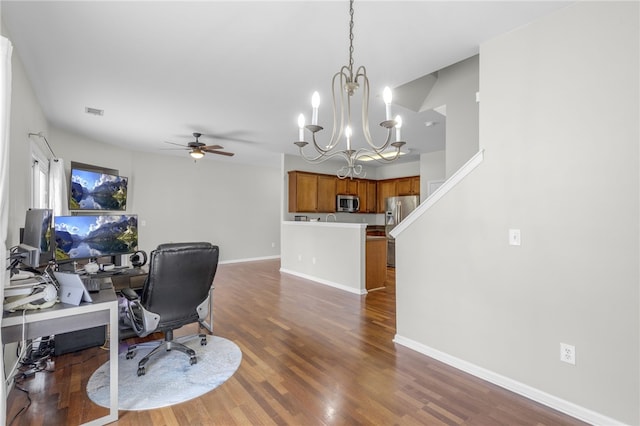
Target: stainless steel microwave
(347,203)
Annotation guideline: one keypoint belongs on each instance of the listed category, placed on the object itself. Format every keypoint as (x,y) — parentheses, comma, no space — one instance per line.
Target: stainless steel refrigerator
(397,209)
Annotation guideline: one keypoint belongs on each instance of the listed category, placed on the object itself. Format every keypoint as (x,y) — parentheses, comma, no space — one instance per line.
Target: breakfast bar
(337,254)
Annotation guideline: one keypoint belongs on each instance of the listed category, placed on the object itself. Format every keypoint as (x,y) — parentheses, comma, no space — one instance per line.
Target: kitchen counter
(329,224)
(376,230)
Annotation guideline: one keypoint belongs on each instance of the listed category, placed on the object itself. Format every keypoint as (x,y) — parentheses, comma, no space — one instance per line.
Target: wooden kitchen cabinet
(311,192)
(303,192)
(367,192)
(316,193)
(408,186)
(326,193)
(386,188)
(346,186)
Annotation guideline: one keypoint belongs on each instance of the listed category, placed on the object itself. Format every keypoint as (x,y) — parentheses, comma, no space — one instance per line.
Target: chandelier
(347,81)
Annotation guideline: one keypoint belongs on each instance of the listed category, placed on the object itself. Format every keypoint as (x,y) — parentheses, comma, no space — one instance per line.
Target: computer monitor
(36,238)
(91,236)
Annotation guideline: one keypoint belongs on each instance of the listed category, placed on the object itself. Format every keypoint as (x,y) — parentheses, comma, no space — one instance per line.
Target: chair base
(165,345)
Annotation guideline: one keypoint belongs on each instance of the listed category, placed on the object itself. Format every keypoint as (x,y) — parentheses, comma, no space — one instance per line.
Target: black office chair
(175,293)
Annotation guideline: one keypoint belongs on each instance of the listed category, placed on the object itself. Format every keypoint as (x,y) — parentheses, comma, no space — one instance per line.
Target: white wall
(559,125)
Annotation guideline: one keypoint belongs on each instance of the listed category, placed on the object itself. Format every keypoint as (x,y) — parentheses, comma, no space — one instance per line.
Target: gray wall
(559,125)
(456,88)
(432,168)
(26,117)
(233,205)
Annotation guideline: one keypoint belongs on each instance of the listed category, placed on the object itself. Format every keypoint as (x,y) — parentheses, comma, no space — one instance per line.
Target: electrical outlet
(568,353)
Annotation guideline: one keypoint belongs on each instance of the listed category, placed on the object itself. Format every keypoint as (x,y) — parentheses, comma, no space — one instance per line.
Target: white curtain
(5,115)
(57,188)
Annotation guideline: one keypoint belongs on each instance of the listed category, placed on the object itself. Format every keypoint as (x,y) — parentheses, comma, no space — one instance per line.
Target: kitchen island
(331,253)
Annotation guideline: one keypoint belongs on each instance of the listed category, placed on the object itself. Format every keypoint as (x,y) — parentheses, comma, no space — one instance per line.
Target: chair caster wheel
(130,355)
(203,342)
(141,371)
(193,360)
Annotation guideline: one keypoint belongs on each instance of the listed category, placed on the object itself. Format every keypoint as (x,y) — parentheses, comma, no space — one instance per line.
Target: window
(39,179)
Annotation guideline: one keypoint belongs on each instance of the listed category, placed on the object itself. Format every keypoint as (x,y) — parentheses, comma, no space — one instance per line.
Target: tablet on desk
(72,289)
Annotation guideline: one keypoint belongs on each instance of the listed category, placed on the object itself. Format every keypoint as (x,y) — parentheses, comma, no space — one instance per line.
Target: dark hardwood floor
(312,355)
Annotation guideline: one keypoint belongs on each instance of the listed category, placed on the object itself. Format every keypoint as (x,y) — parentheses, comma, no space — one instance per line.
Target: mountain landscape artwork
(91,190)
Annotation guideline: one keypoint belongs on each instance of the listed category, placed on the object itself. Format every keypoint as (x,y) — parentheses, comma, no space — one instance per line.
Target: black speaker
(138,259)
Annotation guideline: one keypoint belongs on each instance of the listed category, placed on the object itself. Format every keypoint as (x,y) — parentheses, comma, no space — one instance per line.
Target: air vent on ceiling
(94,111)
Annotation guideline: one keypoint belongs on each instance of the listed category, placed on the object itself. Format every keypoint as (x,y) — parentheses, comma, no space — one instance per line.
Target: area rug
(169,378)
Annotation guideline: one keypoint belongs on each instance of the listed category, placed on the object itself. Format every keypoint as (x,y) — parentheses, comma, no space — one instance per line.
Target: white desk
(62,318)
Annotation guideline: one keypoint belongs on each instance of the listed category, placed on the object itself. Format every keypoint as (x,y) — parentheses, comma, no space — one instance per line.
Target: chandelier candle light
(347,81)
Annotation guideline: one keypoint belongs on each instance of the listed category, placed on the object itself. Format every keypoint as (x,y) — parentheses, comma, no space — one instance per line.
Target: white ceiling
(237,69)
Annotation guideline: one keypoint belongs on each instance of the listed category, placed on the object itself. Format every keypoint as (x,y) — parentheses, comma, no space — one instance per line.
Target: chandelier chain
(351,37)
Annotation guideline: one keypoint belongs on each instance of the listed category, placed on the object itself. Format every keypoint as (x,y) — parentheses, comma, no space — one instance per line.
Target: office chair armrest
(129,293)
(203,309)
(142,321)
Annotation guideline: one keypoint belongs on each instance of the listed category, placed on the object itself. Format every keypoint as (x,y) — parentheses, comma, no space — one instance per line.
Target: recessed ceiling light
(94,111)
(386,154)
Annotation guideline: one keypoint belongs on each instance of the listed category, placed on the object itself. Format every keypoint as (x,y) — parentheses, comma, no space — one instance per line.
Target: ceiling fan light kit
(196,153)
(347,81)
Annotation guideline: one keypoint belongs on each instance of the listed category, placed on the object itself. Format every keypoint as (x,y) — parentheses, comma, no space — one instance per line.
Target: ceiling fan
(197,149)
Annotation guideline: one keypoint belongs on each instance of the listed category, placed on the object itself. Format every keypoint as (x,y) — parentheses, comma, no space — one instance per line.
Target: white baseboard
(527,391)
(251,259)
(323,281)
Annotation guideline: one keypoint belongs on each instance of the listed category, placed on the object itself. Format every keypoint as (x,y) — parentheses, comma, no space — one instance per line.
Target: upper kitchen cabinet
(303,192)
(367,193)
(310,192)
(386,188)
(347,187)
(408,186)
(316,193)
(326,193)
(395,187)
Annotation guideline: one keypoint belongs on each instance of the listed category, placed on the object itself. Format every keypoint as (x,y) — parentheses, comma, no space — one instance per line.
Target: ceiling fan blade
(178,144)
(174,149)
(212,147)
(228,154)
